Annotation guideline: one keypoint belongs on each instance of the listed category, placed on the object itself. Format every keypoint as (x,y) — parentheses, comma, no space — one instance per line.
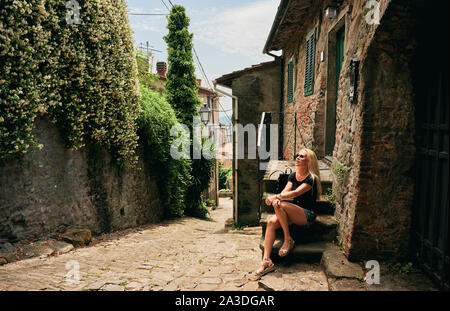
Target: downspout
(235,143)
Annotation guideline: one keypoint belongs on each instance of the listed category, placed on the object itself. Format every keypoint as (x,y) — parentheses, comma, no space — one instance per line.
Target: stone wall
(54,188)
(374,148)
(258,91)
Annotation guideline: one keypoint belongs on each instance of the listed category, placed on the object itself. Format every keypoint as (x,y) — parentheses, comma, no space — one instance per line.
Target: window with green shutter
(290,95)
(310,62)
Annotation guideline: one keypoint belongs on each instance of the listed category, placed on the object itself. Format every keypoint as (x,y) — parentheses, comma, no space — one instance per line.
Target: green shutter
(290,95)
(310,63)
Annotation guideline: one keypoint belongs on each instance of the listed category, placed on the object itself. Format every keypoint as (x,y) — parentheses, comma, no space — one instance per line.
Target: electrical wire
(146,14)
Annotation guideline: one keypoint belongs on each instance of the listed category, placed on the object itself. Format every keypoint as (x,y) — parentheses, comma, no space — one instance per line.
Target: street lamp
(331,11)
(204,114)
(229,133)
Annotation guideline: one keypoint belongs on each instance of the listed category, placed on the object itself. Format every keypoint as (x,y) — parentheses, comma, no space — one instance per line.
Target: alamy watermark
(73,275)
(73,13)
(373,275)
(373,15)
(251,141)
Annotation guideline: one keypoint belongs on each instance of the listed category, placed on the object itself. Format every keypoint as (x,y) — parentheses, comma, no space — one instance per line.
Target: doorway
(430,76)
(336,52)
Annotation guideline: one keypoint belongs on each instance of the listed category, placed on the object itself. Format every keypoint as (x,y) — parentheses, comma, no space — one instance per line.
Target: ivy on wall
(82,76)
(154,124)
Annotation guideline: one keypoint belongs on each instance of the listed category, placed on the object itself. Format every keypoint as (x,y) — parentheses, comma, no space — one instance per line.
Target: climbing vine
(81,76)
(340,171)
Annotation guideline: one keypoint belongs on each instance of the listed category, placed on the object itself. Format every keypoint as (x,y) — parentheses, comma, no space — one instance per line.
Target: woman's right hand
(270,199)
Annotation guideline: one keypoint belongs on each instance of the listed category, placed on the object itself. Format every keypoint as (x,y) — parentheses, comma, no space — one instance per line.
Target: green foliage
(330,196)
(199,211)
(181,83)
(172,176)
(210,203)
(340,171)
(237,227)
(224,175)
(145,77)
(181,88)
(82,76)
(403,268)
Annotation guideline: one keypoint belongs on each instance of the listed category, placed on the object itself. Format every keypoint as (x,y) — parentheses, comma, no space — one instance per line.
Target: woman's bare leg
(272,225)
(282,217)
(294,213)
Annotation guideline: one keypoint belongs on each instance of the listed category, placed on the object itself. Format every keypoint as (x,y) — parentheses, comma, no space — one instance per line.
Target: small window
(310,63)
(290,95)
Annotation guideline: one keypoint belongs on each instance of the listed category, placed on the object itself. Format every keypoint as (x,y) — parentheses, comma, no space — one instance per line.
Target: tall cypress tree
(181,87)
(181,83)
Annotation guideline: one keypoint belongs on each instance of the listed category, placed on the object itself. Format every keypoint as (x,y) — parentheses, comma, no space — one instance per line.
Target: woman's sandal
(284,252)
(268,267)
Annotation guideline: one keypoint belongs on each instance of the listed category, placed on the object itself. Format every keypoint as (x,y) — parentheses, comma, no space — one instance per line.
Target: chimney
(161,68)
(199,82)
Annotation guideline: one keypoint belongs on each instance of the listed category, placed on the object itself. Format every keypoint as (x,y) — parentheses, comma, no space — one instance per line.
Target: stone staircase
(310,242)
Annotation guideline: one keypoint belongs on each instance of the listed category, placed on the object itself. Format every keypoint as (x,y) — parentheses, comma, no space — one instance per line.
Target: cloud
(141,26)
(135,10)
(240,30)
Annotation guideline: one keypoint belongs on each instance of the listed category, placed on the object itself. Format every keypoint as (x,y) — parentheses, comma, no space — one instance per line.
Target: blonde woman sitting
(304,188)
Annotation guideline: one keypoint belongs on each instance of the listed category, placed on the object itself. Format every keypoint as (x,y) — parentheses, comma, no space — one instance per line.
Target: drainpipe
(235,143)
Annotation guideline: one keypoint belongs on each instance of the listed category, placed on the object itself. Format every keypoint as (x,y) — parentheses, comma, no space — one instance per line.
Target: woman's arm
(288,194)
(270,199)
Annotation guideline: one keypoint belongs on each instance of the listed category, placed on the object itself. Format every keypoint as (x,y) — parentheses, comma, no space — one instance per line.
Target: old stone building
(256,93)
(211,100)
(365,85)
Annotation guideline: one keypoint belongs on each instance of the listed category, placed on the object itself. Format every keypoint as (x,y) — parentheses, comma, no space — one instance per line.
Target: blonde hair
(313,168)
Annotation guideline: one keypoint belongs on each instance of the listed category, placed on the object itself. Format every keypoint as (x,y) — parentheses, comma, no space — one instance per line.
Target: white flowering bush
(82,76)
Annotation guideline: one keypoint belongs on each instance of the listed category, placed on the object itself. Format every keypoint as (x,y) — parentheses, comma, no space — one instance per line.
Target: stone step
(323,229)
(307,252)
(323,206)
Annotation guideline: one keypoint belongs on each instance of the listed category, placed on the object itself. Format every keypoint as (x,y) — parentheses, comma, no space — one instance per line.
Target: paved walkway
(180,254)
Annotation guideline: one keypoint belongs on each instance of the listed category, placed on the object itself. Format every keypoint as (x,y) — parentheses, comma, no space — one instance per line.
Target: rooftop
(227,79)
(290,18)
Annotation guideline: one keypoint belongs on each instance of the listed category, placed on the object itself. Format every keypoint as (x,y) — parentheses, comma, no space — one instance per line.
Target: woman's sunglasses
(299,155)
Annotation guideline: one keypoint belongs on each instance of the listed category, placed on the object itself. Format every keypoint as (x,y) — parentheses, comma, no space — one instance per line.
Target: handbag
(282,179)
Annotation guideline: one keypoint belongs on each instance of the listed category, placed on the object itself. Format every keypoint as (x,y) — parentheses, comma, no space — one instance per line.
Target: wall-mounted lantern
(204,114)
(354,68)
(229,133)
(331,11)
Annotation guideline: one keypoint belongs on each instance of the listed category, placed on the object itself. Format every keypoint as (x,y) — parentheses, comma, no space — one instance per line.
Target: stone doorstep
(307,252)
(337,266)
